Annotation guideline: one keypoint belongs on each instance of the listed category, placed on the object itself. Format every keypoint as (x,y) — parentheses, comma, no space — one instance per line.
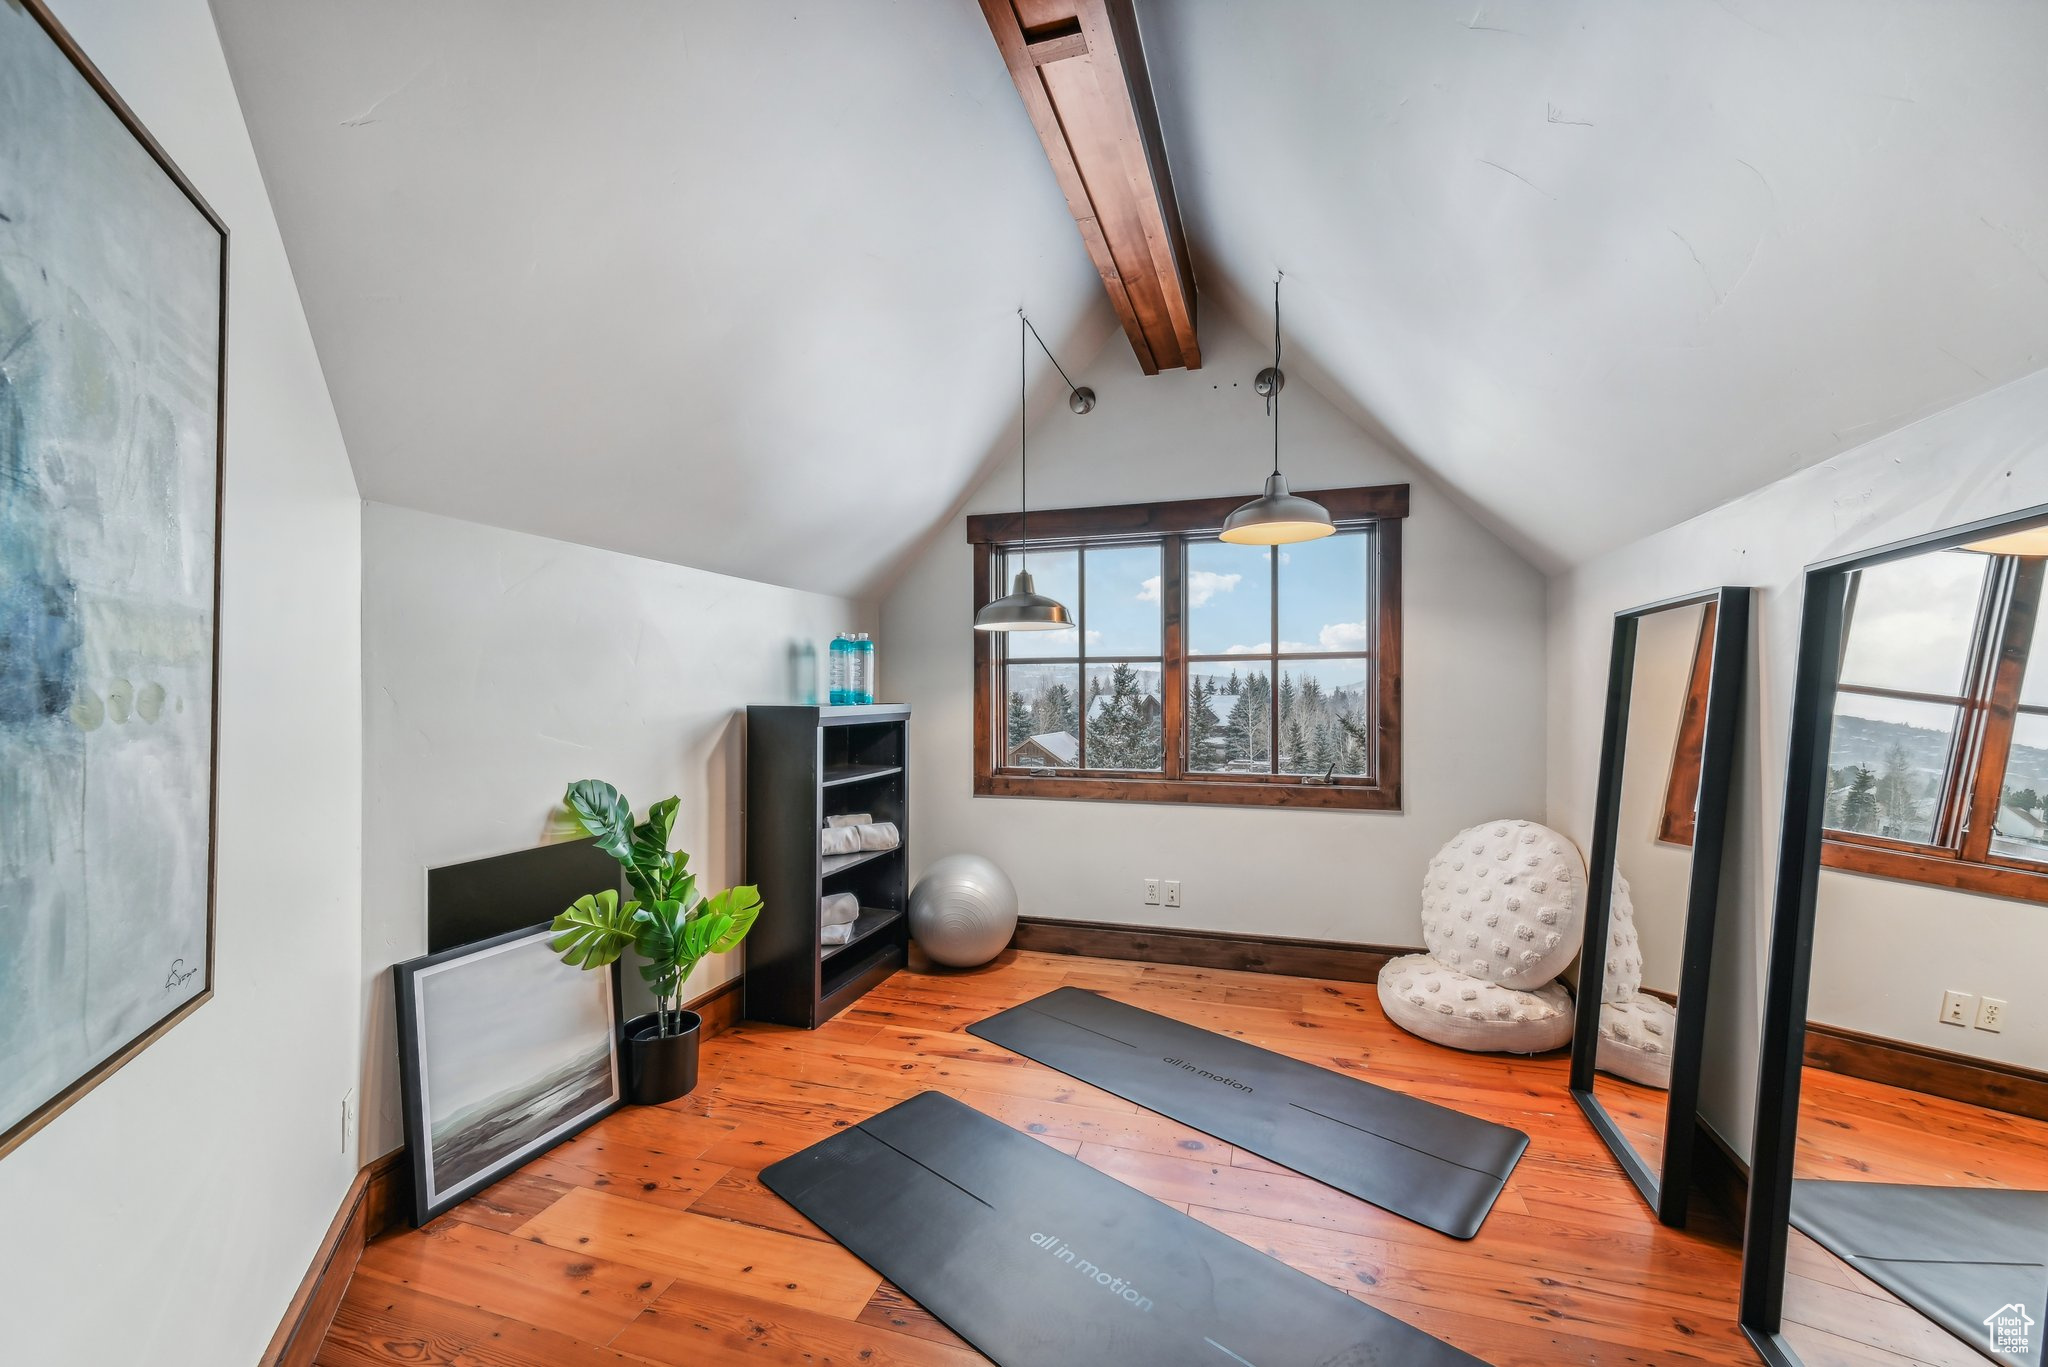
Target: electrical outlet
(1991,1014)
(1172,892)
(1957,1008)
(348,1121)
(1151,892)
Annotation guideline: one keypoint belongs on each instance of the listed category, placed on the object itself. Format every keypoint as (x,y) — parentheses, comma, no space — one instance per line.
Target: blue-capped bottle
(842,669)
(864,669)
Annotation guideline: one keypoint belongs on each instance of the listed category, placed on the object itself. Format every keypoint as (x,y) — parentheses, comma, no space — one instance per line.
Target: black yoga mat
(1965,1257)
(1436,1166)
(1036,1258)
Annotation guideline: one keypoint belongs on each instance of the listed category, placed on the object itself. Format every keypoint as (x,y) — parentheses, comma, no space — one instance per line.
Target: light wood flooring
(649,1239)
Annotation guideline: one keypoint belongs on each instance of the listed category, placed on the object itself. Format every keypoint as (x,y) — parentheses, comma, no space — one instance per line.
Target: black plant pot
(661,1067)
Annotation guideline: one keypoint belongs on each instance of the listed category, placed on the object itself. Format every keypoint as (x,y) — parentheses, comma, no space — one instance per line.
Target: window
(1196,670)
(1938,765)
(1682,788)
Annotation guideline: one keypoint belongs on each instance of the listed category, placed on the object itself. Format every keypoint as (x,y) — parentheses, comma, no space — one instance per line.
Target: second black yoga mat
(1433,1165)
(1965,1257)
(1037,1259)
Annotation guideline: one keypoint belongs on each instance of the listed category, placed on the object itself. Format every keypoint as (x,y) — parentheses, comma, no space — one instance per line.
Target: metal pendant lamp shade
(1024,608)
(1276,517)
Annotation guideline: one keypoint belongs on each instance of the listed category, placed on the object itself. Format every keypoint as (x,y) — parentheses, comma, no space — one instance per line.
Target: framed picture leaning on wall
(503,1052)
(113,308)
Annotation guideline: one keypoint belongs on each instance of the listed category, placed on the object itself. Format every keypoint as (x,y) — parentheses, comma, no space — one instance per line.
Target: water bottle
(842,670)
(864,669)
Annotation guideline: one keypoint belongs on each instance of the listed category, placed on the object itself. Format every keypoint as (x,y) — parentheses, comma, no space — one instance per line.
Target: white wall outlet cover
(1173,893)
(1151,892)
(1503,902)
(1991,1014)
(1957,1008)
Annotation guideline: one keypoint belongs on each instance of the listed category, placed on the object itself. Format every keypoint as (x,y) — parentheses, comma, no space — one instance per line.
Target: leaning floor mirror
(1674,690)
(1898,1206)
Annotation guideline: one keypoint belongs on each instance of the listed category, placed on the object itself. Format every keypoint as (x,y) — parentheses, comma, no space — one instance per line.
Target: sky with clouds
(1323,598)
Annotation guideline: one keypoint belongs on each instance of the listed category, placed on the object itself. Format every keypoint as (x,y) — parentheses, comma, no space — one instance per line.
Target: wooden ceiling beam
(1080,68)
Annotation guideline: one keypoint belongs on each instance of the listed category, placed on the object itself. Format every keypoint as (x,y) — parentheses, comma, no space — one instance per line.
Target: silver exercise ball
(963,911)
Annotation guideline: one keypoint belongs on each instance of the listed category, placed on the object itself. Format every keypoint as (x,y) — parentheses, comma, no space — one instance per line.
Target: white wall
(499,667)
(1473,723)
(1887,949)
(168,1216)
(1659,874)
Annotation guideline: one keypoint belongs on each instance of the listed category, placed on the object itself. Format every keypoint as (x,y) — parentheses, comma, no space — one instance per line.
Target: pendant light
(1024,608)
(1276,517)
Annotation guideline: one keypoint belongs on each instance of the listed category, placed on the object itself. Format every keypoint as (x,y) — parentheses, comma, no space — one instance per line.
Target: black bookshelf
(805,764)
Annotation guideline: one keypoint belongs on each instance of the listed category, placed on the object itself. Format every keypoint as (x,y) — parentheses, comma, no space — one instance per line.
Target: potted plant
(669,924)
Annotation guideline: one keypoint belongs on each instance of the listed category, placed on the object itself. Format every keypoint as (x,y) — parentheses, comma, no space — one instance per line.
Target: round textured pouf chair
(963,911)
(1451,1008)
(1635,1039)
(1502,902)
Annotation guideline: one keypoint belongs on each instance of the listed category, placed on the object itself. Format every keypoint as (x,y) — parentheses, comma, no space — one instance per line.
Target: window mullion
(1172,659)
(2007,673)
(1273,665)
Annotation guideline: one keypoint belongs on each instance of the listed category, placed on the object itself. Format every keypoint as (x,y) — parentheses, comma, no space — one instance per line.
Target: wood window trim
(1382,507)
(1987,714)
(1682,792)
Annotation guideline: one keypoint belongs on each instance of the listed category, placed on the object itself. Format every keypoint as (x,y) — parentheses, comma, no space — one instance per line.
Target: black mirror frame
(1822,623)
(1668,1191)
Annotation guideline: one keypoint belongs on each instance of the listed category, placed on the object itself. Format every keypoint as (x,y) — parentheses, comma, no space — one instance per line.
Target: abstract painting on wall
(504,1051)
(112,317)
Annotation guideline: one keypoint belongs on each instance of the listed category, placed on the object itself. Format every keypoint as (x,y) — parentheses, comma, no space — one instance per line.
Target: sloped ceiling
(1602,266)
(733,284)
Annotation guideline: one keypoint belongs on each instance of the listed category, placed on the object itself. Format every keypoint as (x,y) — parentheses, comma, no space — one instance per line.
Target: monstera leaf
(738,908)
(595,930)
(662,938)
(600,811)
(653,868)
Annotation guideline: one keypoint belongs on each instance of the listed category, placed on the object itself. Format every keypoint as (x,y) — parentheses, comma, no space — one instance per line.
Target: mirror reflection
(1660,783)
(1920,1196)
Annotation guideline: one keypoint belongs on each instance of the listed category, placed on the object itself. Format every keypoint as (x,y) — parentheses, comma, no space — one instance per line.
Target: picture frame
(504,1051)
(120,680)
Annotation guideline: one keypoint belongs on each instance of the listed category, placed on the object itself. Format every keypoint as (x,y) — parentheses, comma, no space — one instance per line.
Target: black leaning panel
(1433,1165)
(1036,1258)
(1958,1255)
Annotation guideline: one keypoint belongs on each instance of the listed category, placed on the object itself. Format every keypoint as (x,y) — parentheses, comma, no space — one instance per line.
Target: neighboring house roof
(1053,747)
(2033,823)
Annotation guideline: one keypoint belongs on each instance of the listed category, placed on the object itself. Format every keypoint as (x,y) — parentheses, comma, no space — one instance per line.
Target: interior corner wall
(1884,950)
(169,1214)
(498,668)
(1472,722)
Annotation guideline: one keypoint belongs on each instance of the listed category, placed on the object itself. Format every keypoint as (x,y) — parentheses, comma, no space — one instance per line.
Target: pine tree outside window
(1939,754)
(1196,671)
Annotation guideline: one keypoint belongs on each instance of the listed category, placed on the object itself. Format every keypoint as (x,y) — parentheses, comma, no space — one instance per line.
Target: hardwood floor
(649,1239)
(1855,1130)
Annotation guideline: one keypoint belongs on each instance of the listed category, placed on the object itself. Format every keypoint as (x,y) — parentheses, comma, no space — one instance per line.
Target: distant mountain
(1861,740)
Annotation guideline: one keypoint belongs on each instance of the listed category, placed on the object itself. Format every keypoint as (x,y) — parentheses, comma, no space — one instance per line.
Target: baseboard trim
(1719,1174)
(377,1202)
(1918,1068)
(311,1311)
(1208,949)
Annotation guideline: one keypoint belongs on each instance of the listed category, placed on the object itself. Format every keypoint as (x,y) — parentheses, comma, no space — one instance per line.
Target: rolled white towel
(839,840)
(841,908)
(879,835)
(836,935)
(850,819)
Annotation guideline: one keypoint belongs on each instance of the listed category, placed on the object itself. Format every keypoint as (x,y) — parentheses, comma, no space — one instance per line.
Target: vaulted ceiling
(733,284)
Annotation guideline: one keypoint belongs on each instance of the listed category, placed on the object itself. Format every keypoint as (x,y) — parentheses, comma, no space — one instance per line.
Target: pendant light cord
(1024,443)
(1274,398)
(1048,352)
